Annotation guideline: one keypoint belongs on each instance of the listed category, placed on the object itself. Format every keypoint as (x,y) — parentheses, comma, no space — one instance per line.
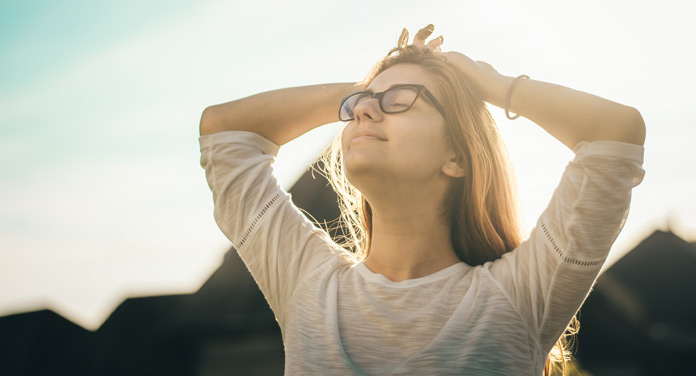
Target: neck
(409,240)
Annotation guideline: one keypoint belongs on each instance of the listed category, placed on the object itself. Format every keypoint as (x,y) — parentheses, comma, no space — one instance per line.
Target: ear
(454,167)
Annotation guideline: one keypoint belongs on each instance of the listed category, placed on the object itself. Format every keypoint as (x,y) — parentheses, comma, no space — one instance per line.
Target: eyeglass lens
(394,100)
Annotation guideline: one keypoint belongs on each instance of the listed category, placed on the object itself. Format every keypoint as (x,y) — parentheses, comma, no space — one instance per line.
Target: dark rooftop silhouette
(641,317)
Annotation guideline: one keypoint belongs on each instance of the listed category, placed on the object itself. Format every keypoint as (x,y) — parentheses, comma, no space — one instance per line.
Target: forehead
(403,74)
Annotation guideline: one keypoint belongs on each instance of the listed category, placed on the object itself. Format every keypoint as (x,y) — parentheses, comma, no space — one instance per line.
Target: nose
(368,110)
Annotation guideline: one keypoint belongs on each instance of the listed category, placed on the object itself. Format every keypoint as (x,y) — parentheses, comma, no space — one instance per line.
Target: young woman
(436,279)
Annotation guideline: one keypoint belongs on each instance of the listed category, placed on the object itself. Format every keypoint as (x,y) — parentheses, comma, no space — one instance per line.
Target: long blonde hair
(482,206)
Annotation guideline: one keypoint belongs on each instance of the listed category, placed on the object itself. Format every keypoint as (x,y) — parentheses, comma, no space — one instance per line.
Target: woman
(438,281)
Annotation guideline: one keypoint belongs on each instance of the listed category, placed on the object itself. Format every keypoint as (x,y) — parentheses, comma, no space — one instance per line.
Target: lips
(367,134)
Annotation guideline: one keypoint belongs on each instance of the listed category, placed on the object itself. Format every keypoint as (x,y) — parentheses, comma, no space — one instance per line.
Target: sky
(102,196)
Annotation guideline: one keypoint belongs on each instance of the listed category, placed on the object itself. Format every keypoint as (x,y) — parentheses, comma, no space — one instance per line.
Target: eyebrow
(372,91)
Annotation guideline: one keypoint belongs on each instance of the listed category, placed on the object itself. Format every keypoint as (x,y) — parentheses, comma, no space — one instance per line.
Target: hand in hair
(569,115)
(481,75)
(490,84)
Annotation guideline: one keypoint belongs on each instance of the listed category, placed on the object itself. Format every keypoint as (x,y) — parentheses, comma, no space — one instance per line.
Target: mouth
(366,138)
(366,135)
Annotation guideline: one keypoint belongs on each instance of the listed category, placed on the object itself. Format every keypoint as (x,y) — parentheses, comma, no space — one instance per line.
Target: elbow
(620,123)
(207,123)
(634,127)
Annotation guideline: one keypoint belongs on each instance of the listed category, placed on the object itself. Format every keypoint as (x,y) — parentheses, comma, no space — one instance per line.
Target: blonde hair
(482,206)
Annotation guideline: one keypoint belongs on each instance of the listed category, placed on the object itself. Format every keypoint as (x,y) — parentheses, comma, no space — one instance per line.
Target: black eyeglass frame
(380,95)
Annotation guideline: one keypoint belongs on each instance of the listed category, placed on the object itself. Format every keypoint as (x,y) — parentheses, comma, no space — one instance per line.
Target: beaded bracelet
(509,94)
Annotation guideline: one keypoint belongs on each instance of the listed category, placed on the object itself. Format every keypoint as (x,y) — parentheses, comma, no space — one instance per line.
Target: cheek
(420,160)
(425,149)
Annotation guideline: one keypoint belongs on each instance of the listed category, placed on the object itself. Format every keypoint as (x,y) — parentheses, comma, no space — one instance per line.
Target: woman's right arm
(279,245)
(278,115)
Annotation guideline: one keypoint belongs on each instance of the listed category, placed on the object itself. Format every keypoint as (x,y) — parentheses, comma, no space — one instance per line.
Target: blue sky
(41,38)
(101,193)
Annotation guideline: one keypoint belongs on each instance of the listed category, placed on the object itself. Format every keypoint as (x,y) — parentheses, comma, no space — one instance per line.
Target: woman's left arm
(569,115)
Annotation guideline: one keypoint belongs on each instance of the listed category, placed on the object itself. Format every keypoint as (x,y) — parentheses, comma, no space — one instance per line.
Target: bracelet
(509,94)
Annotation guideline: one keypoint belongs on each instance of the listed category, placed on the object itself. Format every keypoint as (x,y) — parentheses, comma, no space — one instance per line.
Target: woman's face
(407,147)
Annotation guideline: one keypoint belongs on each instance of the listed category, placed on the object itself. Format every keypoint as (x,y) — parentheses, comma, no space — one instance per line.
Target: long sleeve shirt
(339,318)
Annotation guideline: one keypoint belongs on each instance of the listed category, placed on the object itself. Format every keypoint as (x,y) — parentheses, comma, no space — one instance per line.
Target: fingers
(423,34)
(436,43)
(420,37)
(403,39)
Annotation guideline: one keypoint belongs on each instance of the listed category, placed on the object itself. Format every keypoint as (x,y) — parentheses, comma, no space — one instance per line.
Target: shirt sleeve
(549,275)
(278,244)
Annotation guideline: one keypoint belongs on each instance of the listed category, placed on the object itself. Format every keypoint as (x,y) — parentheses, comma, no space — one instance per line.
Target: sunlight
(99,157)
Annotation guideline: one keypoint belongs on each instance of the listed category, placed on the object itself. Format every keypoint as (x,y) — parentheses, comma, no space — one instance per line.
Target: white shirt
(339,318)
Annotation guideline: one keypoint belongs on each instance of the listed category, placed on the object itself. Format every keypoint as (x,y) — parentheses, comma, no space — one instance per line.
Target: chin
(358,170)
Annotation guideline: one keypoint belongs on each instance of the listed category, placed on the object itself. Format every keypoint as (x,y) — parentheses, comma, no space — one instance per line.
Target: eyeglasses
(394,100)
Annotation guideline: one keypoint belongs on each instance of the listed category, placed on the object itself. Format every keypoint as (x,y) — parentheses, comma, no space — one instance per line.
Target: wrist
(498,89)
(508,95)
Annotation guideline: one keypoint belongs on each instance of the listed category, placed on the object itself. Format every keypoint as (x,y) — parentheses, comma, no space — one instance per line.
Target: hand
(490,84)
(419,39)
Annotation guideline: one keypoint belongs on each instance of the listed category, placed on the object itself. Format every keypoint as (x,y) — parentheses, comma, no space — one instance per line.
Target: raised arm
(277,242)
(279,115)
(569,115)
